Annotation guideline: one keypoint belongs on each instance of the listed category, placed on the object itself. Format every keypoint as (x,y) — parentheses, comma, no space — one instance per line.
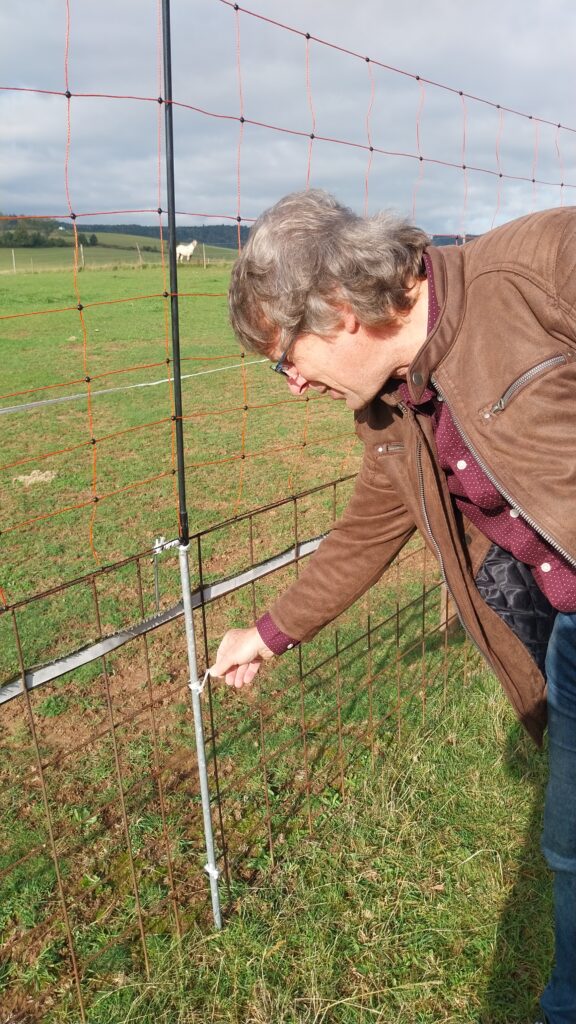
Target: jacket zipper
(439,554)
(526,378)
(508,497)
(422,495)
(425,510)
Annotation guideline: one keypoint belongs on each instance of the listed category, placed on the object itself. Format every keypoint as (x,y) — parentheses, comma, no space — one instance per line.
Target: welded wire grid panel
(102,864)
(101,867)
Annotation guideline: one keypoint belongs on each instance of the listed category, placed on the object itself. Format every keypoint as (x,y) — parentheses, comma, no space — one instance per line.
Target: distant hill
(225,235)
(17,232)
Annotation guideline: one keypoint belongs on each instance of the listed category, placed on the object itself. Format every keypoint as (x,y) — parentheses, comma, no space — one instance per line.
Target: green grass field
(413,898)
(112,249)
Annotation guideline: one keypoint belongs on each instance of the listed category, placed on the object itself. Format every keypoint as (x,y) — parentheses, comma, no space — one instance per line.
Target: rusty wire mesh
(103,854)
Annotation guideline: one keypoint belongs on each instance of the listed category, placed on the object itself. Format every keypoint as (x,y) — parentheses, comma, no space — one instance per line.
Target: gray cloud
(493,50)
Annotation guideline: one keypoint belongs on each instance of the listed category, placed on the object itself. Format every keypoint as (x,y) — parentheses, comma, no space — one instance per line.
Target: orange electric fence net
(101,865)
(88,463)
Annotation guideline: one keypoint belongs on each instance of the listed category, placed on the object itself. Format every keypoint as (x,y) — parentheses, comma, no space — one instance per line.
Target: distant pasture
(112,249)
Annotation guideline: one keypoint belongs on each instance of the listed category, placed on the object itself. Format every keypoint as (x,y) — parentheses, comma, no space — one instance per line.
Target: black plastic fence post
(174,309)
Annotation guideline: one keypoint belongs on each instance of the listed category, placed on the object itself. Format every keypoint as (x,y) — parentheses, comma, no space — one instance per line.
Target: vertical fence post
(184,536)
(195,690)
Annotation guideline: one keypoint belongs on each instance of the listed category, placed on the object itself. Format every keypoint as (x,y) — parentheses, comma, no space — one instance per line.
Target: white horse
(184,252)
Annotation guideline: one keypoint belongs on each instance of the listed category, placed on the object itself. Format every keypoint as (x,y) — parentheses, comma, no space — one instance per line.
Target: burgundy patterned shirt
(274,638)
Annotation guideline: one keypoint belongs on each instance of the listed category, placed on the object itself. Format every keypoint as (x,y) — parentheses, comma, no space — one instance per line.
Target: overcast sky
(516,53)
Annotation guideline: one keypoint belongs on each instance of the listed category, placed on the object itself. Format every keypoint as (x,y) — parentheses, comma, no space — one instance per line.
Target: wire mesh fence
(102,859)
(87,395)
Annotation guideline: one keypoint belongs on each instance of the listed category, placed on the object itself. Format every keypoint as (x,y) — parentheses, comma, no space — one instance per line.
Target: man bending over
(460,366)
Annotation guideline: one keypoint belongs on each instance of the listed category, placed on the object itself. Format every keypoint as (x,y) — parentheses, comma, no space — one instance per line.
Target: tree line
(16,233)
(223,235)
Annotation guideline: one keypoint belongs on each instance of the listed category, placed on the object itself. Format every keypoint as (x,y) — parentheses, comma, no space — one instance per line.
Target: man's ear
(350,322)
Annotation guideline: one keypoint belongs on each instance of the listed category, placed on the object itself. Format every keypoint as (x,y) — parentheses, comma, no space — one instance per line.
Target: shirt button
(514,513)
(545,566)
(290,646)
(461,464)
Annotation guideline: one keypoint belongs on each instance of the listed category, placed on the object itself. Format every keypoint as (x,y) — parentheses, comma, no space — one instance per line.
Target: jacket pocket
(523,381)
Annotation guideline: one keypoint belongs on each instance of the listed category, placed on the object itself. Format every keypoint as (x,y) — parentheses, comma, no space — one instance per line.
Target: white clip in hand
(198,687)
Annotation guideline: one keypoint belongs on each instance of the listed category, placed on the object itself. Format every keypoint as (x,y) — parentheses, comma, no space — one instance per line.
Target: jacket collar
(448,269)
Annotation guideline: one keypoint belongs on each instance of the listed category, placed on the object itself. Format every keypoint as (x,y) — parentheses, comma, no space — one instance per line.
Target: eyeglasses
(279,367)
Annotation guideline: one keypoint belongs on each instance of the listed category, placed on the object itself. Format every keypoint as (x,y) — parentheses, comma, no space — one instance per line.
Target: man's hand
(239,656)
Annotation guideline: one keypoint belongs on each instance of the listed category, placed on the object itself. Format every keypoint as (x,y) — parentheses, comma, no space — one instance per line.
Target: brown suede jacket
(503,356)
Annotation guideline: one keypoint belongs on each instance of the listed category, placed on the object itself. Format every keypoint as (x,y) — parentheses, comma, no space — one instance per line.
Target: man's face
(351,365)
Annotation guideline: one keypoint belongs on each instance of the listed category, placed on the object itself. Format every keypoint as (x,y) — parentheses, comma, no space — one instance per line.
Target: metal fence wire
(104,852)
(138,800)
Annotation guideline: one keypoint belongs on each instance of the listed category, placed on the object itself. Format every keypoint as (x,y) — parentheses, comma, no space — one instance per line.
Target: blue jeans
(559,835)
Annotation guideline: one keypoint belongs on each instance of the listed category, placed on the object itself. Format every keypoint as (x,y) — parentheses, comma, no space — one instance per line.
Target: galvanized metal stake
(196,688)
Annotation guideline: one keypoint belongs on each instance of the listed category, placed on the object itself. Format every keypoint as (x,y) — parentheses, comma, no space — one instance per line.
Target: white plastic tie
(212,871)
(198,687)
(161,544)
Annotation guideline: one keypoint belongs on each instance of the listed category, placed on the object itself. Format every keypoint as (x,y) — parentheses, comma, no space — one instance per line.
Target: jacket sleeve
(374,527)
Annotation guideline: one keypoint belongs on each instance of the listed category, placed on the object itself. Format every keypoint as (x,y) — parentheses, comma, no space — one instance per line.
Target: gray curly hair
(307,256)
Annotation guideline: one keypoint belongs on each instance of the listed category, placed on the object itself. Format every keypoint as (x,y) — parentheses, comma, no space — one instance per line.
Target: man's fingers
(251,671)
(241,675)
